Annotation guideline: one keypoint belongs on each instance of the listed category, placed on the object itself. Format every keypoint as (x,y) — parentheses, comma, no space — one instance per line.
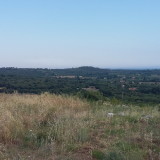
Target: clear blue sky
(72,33)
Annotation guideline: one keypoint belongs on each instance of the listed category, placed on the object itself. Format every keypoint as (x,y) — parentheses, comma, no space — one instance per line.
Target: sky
(73,33)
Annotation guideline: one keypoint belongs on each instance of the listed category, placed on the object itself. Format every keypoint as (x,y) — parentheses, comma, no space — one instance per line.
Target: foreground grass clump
(42,127)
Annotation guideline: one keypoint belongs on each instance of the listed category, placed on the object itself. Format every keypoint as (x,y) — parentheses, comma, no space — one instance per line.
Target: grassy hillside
(52,127)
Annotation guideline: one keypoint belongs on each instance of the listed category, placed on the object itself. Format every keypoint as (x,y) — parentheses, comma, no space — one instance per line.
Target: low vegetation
(60,127)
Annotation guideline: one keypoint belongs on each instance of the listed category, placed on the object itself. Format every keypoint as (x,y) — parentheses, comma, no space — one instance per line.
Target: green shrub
(91,95)
(99,155)
(114,156)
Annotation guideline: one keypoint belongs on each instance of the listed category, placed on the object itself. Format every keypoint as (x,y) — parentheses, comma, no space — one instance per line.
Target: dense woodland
(134,86)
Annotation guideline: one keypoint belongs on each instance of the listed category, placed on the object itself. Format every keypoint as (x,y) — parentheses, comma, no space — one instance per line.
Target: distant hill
(38,72)
(81,71)
(87,71)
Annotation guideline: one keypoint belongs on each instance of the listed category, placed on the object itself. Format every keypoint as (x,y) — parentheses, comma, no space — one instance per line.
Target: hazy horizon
(136,68)
(67,33)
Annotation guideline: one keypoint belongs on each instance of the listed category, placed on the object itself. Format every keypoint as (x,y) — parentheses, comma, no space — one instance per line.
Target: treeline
(140,86)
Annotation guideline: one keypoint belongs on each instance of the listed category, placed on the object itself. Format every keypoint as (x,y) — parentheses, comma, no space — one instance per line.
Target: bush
(98,155)
(91,95)
(114,156)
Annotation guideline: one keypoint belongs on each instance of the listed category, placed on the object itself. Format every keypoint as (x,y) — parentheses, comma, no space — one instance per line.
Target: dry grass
(42,127)
(37,120)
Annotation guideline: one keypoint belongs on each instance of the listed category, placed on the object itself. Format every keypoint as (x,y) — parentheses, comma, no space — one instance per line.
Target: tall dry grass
(38,120)
(60,127)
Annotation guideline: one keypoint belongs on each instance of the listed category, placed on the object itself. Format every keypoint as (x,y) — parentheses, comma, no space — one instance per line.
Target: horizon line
(111,68)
